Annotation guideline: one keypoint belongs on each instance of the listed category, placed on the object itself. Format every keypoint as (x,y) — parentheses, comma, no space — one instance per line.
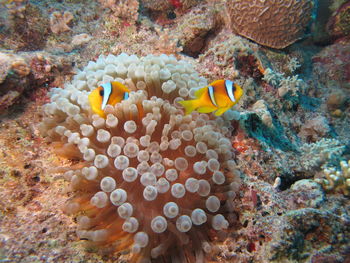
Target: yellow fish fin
(120,86)
(221,111)
(206,109)
(189,105)
(238,92)
(198,93)
(219,82)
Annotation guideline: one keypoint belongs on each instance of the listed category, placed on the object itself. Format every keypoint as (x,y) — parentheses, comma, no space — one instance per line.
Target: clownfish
(218,96)
(108,93)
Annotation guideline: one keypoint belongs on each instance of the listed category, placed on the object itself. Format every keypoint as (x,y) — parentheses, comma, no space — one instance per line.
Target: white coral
(290,84)
(272,77)
(293,64)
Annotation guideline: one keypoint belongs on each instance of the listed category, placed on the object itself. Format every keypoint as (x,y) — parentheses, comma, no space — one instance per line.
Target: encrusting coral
(272,23)
(150,179)
(80,39)
(166,43)
(127,9)
(59,22)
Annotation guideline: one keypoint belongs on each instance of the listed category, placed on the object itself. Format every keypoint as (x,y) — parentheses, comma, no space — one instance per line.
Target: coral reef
(25,27)
(19,72)
(275,24)
(315,129)
(290,85)
(284,225)
(319,153)
(152,180)
(330,72)
(80,39)
(161,5)
(165,5)
(339,24)
(194,28)
(167,43)
(222,57)
(288,136)
(12,87)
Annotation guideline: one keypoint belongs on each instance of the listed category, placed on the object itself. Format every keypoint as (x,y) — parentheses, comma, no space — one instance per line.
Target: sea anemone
(151,180)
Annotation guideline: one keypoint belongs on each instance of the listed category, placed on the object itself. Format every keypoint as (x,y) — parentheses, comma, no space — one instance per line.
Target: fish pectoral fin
(198,93)
(189,105)
(221,111)
(206,109)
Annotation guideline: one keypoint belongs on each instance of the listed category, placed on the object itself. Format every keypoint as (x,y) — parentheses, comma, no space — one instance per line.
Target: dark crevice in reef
(199,44)
(287,180)
(196,46)
(248,67)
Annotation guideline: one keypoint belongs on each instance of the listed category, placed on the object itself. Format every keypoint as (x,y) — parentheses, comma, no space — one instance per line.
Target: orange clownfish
(218,96)
(108,93)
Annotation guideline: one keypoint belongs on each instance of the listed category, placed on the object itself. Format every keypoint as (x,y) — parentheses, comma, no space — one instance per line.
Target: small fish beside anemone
(108,93)
(218,96)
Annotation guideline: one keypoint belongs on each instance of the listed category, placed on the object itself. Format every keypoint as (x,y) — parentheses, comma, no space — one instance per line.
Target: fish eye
(101,92)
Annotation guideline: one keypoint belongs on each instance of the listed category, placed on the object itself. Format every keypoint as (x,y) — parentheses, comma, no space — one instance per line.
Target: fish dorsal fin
(218,83)
(198,93)
(120,86)
(238,91)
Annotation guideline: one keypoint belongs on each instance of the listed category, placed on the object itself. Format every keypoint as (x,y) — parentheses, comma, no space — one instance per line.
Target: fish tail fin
(189,105)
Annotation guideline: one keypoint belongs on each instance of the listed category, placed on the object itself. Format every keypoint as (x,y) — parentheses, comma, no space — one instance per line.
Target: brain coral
(273,23)
(151,180)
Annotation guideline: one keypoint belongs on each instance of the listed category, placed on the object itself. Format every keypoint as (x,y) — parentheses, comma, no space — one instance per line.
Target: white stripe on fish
(230,89)
(107,91)
(211,95)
